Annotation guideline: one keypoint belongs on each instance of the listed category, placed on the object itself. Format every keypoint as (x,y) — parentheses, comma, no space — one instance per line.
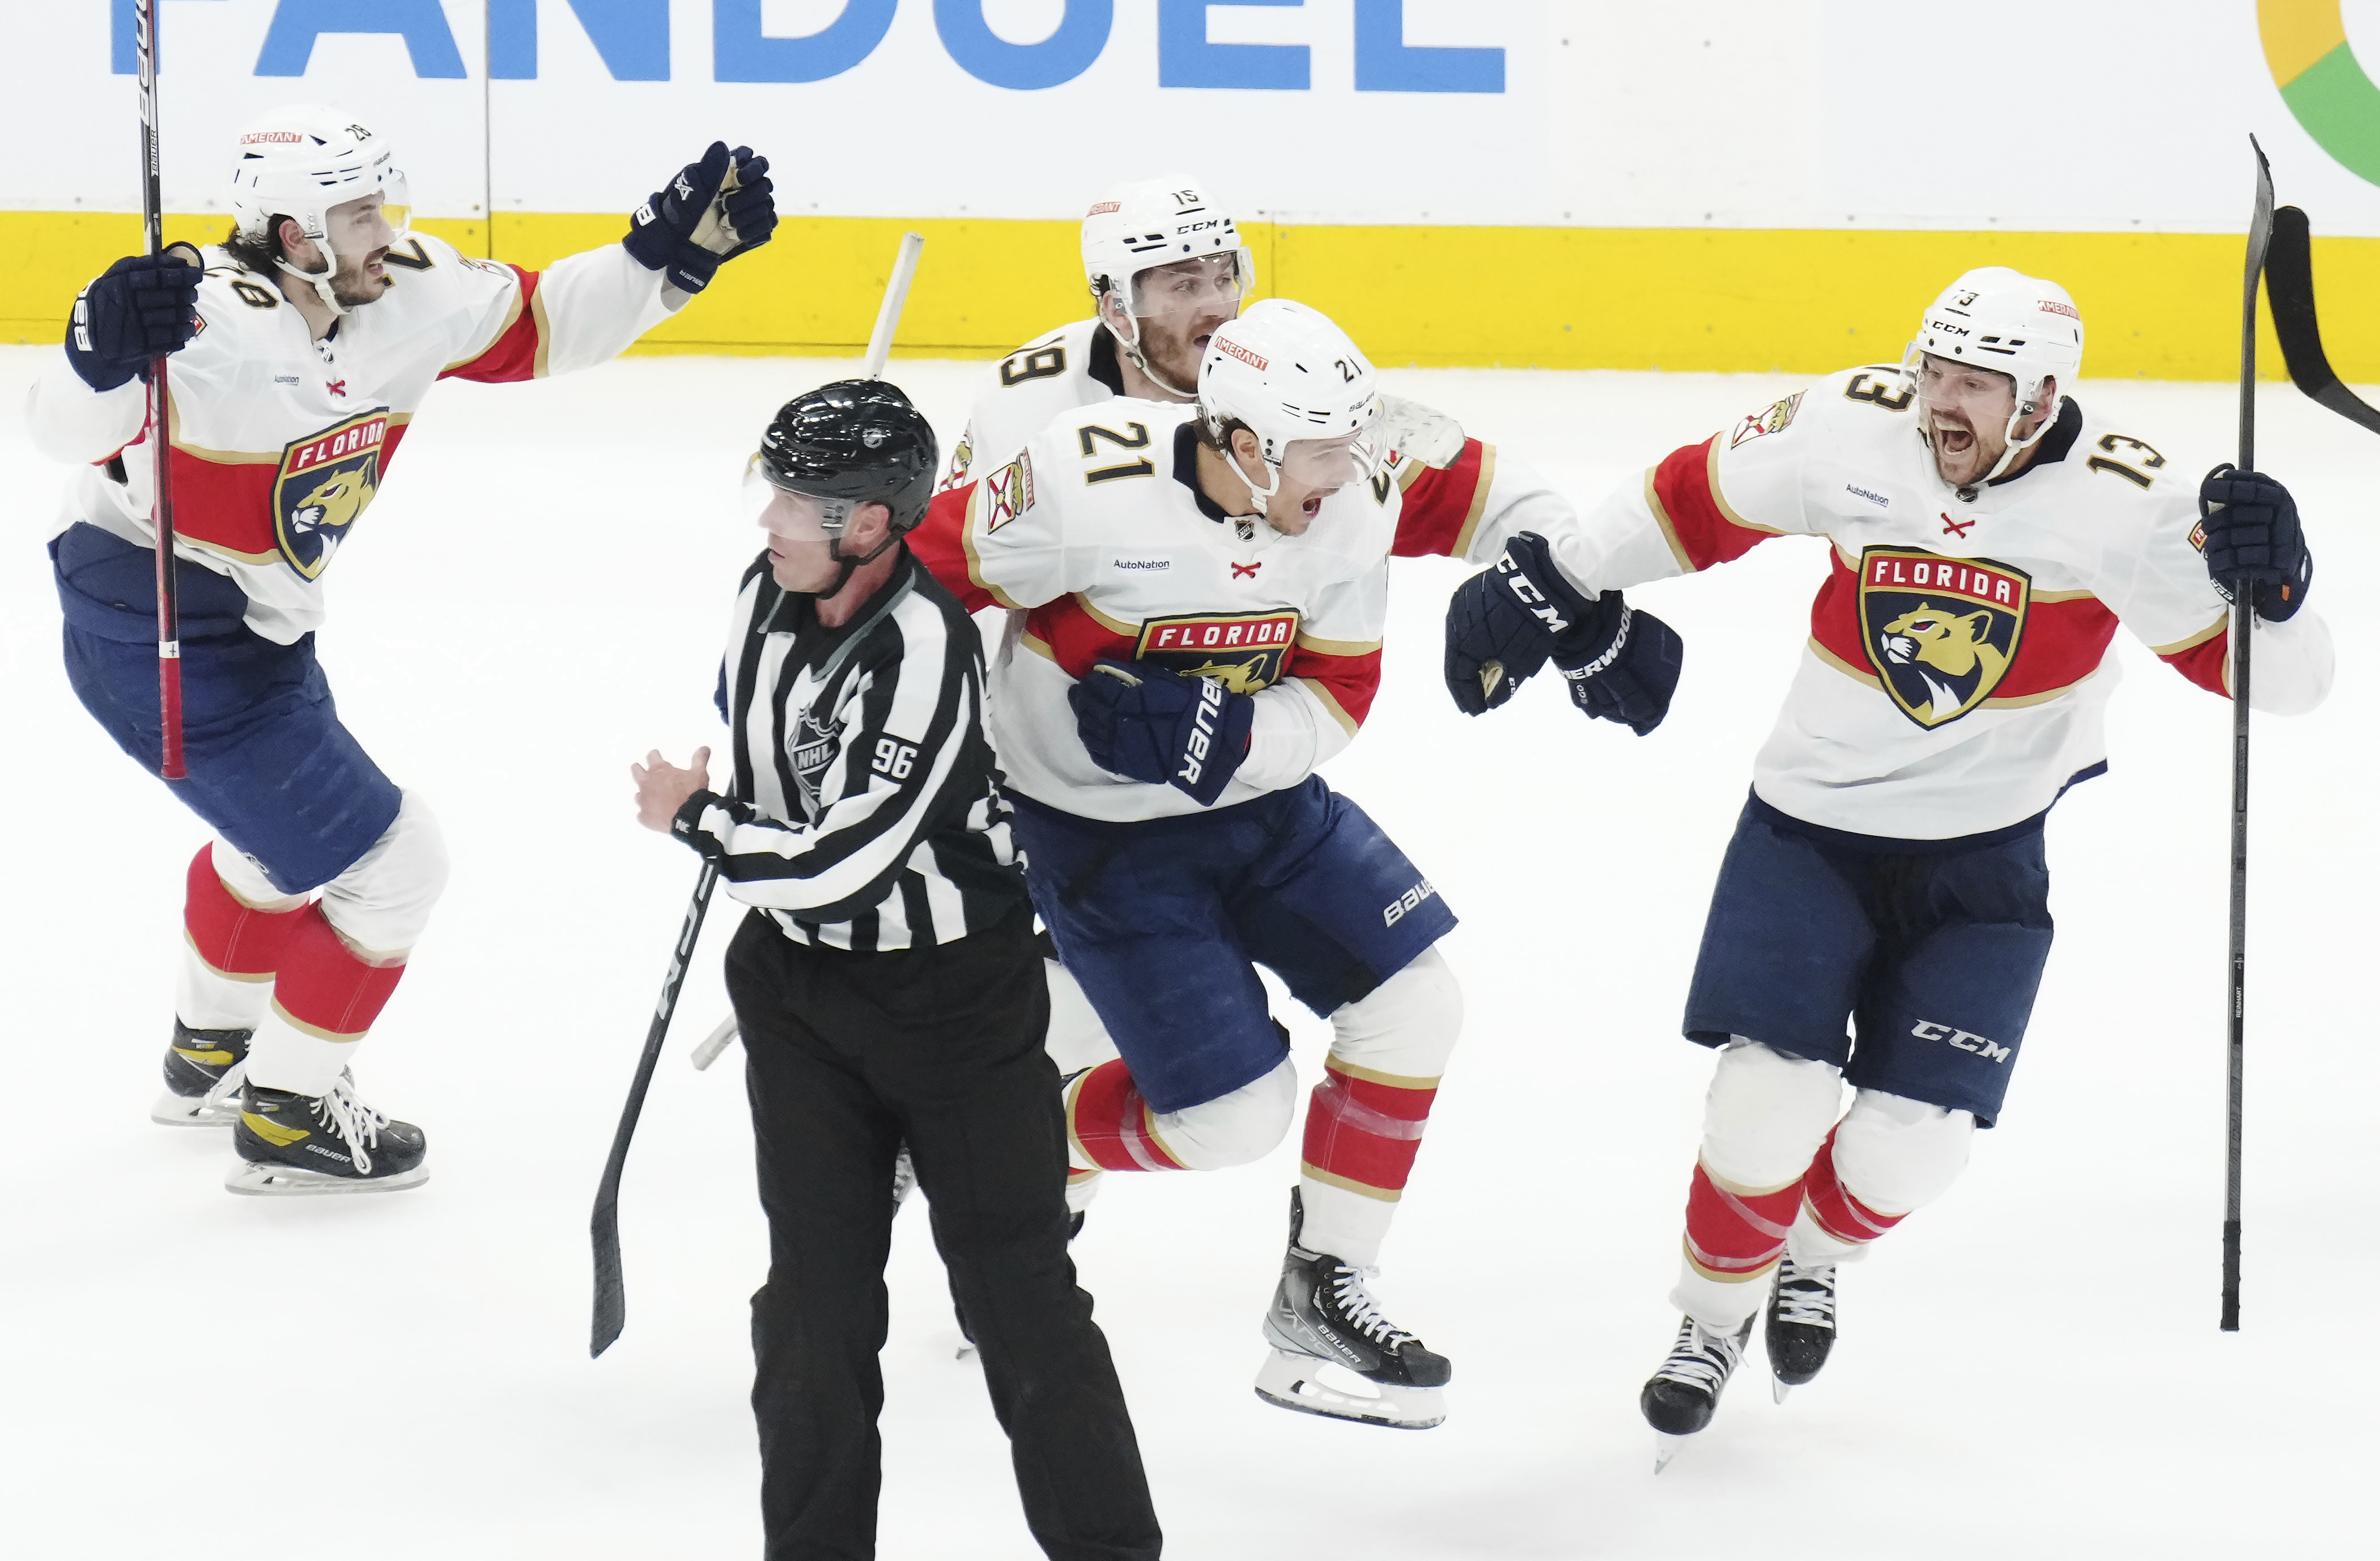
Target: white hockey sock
(284,1056)
(205,998)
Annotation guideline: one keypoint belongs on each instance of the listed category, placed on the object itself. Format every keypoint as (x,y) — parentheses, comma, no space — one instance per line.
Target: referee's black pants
(847,1055)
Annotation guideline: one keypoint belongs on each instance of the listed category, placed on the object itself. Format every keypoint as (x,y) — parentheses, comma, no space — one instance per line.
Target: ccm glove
(144,307)
(1622,664)
(1501,623)
(2251,538)
(711,212)
(1150,724)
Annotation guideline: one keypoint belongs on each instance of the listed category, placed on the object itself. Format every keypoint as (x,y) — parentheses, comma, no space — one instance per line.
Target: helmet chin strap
(319,281)
(850,566)
(1258,496)
(1141,359)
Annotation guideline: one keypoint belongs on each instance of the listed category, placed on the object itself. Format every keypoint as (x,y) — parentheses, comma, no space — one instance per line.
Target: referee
(889,988)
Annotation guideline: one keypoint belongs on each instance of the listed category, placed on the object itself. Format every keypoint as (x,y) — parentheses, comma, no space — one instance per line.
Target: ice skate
(1323,1319)
(292,1144)
(1682,1395)
(203,1072)
(1800,1323)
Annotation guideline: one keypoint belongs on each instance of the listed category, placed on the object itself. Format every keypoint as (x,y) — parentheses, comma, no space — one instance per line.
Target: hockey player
(888,989)
(301,347)
(1203,589)
(1987,539)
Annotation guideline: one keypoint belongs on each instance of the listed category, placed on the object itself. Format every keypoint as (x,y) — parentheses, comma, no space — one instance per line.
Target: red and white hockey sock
(1734,1236)
(325,999)
(1109,1126)
(1846,1224)
(232,946)
(1363,1129)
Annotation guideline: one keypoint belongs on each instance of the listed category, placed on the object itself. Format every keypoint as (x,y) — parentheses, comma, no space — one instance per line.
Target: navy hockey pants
(270,767)
(1162,920)
(1933,950)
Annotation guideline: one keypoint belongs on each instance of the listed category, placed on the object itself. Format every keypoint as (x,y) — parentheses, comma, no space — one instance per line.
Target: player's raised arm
(586,309)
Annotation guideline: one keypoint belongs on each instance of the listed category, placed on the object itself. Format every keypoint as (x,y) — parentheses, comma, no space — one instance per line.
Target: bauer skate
(203,1072)
(1684,1395)
(1323,1318)
(291,1143)
(1800,1323)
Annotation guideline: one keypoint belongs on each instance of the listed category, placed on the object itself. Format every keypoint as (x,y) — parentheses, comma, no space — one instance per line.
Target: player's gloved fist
(1622,664)
(1501,624)
(1421,432)
(2250,523)
(142,308)
(713,211)
(1150,724)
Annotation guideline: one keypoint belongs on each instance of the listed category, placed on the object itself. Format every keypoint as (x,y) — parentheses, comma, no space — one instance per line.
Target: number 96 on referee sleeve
(894,758)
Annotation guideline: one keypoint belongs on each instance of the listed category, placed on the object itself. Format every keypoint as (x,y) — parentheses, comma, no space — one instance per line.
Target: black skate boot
(1682,1395)
(297,1144)
(1800,1323)
(203,1069)
(1322,1316)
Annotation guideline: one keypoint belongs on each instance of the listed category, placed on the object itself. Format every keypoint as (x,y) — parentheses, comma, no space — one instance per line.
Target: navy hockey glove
(1622,664)
(142,308)
(1501,623)
(1154,725)
(711,212)
(2248,530)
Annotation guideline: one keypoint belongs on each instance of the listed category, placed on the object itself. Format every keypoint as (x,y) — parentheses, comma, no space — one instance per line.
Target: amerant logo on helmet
(1103,208)
(272,137)
(2051,306)
(1232,349)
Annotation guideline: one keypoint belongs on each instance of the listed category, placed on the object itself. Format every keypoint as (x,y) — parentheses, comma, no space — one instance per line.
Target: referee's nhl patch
(1008,493)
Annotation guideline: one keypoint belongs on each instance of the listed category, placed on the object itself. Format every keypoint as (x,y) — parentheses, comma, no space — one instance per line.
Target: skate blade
(250,1179)
(193,1111)
(1780,1388)
(1294,1382)
(1665,1448)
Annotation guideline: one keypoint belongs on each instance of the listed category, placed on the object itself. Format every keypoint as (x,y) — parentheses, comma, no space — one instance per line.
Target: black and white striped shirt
(867,812)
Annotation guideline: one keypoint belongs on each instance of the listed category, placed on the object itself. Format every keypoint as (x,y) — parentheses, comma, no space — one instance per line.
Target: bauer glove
(1150,724)
(2248,530)
(713,211)
(141,308)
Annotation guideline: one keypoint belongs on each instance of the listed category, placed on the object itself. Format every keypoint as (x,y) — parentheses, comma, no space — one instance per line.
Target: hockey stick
(2289,288)
(2243,619)
(896,295)
(169,605)
(611,1294)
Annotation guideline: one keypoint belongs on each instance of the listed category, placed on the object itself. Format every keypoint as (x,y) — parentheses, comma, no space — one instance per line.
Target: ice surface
(2030,1366)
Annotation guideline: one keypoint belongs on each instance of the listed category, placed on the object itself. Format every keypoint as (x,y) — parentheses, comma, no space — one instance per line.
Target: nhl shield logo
(326,480)
(1941,633)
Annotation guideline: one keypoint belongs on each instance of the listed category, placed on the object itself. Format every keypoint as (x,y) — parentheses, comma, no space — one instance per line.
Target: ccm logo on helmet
(1233,349)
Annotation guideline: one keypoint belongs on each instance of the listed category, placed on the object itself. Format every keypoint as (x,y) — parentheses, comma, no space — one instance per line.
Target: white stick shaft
(896,294)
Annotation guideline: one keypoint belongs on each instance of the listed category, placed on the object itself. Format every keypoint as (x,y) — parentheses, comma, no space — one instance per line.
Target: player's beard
(1981,453)
(354,286)
(1175,349)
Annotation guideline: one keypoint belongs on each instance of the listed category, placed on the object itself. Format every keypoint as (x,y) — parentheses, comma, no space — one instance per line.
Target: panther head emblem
(335,501)
(1947,649)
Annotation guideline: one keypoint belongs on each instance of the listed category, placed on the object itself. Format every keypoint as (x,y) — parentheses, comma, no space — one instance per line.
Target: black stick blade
(2289,287)
(610,1292)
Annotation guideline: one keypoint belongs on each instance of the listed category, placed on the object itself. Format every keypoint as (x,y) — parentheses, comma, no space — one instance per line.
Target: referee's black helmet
(858,440)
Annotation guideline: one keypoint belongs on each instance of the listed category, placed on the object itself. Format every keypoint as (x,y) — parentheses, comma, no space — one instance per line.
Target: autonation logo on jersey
(795,41)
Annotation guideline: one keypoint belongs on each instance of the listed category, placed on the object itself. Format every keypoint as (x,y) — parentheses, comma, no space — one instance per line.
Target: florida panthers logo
(1243,651)
(1940,632)
(326,480)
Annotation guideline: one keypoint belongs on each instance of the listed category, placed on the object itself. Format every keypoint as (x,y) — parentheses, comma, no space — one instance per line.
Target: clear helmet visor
(788,516)
(377,221)
(1952,396)
(1332,463)
(1210,286)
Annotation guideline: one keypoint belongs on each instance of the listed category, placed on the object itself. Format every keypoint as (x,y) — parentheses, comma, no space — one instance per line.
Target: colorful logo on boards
(2334,102)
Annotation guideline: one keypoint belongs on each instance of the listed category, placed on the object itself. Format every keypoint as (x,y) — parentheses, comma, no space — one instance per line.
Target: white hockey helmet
(2023,326)
(1294,379)
(300,161)
(1141,224)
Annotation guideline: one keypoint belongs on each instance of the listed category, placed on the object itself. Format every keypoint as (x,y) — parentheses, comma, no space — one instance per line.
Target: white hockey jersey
(1096,532)
(281,442)
(1050,376)
(1960,653)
